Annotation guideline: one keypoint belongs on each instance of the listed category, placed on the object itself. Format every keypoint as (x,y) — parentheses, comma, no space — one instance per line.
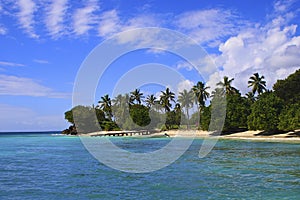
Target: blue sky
(43,44)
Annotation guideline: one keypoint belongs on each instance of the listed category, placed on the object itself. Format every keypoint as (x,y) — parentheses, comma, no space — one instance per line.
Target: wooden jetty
(125,133)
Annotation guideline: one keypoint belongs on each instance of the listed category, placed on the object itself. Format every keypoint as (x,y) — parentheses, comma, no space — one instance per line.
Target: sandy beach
(246,135)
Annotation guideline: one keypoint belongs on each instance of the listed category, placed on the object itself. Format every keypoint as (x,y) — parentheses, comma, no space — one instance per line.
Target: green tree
(237,111)
(150,100)
(140,115)
(289,118)
(257,83)
(265,112)
(226,84)
(165,99)
(85,118)
(105,105)
(137,96)
(185,98)
(289,89)
(204,118)
(251,96)
(201,94)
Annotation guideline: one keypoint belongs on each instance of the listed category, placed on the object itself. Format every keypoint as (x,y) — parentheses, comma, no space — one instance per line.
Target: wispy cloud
(41,61)
(11,64)
(110,23)
(209,26)
(55,17)
(20,86)
(26,16)
(84,18)
(20,118)
(3,30)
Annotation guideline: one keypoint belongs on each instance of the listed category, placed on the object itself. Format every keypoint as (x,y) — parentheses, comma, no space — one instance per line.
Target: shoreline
(246,135)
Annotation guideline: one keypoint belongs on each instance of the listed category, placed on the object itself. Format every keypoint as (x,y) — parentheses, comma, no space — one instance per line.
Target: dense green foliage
(268,110)
(86,118)
(289,89)
(289,118)
(237,110)
(140,115)
(265,112)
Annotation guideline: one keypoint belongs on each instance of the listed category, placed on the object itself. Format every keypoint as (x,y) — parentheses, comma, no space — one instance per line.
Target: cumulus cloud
(84,18)
(55,15)
(19,86)
(185,85)
(26,16)
(271,50)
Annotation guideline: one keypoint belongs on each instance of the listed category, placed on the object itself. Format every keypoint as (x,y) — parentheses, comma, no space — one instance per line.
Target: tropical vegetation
(259,109)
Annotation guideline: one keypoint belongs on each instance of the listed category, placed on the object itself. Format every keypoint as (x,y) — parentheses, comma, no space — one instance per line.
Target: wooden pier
(125,133)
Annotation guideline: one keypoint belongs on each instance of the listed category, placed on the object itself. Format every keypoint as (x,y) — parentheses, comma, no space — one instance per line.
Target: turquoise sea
(41,166)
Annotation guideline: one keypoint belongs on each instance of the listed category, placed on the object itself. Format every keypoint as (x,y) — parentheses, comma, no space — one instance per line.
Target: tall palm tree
(137,96)
(201,94)
(218,92)
(117,100)
(165,99)
(150,100)
(226,84)
(185,98)
(105,105)
(257,83)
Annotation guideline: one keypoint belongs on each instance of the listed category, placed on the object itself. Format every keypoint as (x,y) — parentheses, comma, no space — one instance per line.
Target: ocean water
(42,166)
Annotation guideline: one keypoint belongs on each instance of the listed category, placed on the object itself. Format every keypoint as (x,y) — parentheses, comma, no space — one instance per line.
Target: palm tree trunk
(199,122)
(188,117)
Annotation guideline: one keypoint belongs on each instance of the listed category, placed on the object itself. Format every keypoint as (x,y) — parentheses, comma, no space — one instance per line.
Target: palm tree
(136,95)
(185,98)
(226,84)
(117,100)
(250,96)
(218,93)
(105,105)
(201,94)
(166,98)
(257,83)
(150,100)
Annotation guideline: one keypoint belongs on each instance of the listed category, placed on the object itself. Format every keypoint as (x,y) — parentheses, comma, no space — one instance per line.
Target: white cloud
(283,6)
(3,30)
(204,65)
(184,85)
(110,23)
(55,15)
(41,61)
(19,86)
(10,64)
(26,16)
(18,118)
(209,26)
(271,50)
(84,18)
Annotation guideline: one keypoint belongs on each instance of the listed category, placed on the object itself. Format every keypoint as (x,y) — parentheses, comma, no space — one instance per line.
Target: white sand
(247,135)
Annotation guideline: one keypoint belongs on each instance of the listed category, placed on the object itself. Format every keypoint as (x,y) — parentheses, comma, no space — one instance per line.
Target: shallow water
(41,166)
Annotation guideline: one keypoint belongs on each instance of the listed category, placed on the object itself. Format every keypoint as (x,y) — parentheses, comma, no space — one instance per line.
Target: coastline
(246,135)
